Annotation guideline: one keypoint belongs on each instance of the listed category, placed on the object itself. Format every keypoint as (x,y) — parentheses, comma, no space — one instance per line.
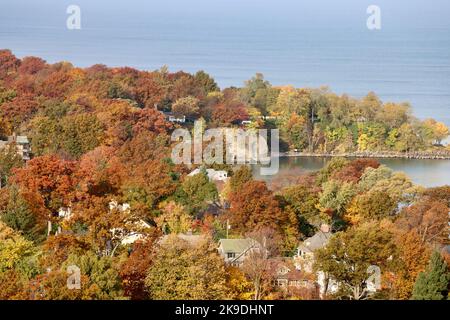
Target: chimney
(325,228)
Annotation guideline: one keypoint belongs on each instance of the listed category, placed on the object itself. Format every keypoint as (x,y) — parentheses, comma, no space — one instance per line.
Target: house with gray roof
(304,259)
(21,143)
(317,241)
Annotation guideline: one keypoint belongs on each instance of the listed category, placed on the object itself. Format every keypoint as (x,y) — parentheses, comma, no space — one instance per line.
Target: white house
(213,175)
(135,231)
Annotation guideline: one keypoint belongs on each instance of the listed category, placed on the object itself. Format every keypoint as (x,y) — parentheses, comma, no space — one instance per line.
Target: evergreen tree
(17,215)
(433,283)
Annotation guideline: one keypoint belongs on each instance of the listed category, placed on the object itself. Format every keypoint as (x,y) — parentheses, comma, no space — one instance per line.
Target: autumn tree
(47,183)
(353,171)
(435,131)
(187,106)
(254,206)
(184,272)
(174,219)
(410,259)
(229,113)
(8,62)
(134,269)
(150,119)
(371,205)
(148,92)
(349,254)
(241,288)
(257,263)
(14,248)
(428,218)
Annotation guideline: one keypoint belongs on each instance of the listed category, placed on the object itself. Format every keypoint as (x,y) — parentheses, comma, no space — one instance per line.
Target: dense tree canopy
(101,192)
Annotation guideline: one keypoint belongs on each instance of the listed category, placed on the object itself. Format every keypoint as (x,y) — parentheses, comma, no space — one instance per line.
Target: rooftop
(236,245)
(317,241)
(19,139)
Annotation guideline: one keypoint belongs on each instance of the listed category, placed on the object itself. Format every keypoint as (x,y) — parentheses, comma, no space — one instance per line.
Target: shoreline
(381,155)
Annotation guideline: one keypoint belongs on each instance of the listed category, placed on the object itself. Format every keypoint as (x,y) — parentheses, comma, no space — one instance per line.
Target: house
(291,279)
(65,213)
(305,258)
(22,143)
(134,236)
(171,117)
(213,175)
(246,122)
(235,251)
(135,229)
(305,251)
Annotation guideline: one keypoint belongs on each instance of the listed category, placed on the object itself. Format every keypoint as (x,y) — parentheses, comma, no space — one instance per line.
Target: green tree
(241,176)
(16,214)
(199,192)
(80,134)
(9,159)
(46,134)
(335,196)
(101,273)
(303,201)
(204,80)
(433,284)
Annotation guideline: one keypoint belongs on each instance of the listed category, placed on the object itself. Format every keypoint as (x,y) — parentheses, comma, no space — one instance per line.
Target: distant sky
(306,13)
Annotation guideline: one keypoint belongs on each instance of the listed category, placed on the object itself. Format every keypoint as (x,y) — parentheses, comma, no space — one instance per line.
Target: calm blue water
(428,173)
(304,43)
(299,42)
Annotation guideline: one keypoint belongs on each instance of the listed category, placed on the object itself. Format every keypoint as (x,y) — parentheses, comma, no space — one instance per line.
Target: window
(231,255)
(282,282)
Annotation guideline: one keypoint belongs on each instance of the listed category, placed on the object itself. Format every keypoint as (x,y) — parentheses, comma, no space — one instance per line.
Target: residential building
(305,258)
(22,144)
(213,175)
(288,276)
(235,251)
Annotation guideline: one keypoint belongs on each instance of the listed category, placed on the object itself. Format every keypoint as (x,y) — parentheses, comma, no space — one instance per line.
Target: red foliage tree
(8,63)
(254,206)
(353,171)
(134,270)
(229,113)
(49,178)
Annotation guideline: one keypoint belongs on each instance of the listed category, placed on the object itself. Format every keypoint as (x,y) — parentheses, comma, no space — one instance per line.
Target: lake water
(306,43)
(428,173)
